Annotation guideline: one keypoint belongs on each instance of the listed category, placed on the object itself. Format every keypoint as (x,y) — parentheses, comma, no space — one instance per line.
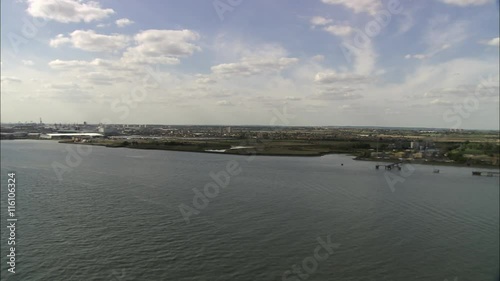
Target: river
(97,213)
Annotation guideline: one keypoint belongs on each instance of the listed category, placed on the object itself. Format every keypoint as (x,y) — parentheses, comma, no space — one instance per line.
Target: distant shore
(430,163)
(275,148)
(272,148)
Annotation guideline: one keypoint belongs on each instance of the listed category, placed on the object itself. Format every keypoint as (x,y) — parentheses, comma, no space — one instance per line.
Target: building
(71,135)
(106,130)
(414,145)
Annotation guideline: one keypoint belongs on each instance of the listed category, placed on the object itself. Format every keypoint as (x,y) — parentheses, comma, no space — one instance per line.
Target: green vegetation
(466,149)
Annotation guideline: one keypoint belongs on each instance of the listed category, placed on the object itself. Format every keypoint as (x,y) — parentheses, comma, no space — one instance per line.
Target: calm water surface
(115,216)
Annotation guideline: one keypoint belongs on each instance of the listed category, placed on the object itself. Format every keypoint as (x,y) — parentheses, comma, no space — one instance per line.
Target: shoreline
(191,147)
(432,163)
(220,153)
(319,154)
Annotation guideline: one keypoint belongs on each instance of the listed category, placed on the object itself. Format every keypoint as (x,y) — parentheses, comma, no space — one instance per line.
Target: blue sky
(316,62)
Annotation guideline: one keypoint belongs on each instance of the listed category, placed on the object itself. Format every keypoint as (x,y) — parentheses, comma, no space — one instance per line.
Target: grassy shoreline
(276,149)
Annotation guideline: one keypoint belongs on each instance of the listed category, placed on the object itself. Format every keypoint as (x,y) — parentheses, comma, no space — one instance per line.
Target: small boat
(436,171)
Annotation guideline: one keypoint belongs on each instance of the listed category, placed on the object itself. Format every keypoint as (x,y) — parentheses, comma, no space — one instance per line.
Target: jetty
(486,173)
(390,166)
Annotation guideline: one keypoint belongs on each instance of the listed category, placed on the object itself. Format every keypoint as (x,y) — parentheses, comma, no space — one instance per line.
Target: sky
(403,63)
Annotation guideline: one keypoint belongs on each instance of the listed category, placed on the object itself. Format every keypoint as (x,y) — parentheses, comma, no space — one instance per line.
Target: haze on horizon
(239,62)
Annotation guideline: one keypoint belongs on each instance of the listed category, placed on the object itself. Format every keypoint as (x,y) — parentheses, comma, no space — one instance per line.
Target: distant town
(419,145)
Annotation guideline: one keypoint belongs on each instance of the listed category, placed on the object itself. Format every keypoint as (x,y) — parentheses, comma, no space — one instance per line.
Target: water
(115,216)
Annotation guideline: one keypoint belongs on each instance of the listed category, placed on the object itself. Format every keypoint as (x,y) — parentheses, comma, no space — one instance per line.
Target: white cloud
(441,34)
(96,65)
(451,81)
(331,77)
(485,88)
(464,3)
(253,66)
(101,78)
(318,58)
(350,107)
(363,59)
(113,77)
(162,46)
(224,103)
(27,62)
(339,30)
(203,79)
(59,40)
(61,64)
(320,21)
(248,60)
(390,111)
(358,6)
(440,102)
(123,22)
(62,86)
(493,42)
(353,94)
(88,40)
(338,93)
(418,56)
(68,10)
(434,52)
(10,79)
(230,50)
(339,86)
